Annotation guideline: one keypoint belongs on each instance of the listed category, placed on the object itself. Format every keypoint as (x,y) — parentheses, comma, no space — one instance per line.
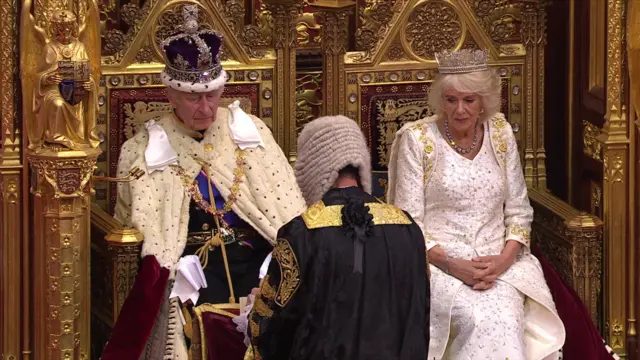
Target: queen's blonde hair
(485,83)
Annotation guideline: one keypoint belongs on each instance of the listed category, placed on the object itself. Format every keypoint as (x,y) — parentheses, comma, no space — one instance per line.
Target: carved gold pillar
(14,309)
(585,233)
(335,15)
(534,39)
(285,13)
(61,252)
(633,52)
(615,142)
(62,153)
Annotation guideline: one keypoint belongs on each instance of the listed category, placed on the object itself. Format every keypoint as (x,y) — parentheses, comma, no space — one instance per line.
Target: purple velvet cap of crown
(193,57)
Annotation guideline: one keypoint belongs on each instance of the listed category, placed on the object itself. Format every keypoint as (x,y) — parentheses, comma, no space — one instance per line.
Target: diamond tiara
(462,61)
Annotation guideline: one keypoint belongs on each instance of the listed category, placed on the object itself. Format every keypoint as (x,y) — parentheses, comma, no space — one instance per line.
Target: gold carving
(252,37)
(573,244)
(306,22)
(117,42)
(289,272)
(66,174)
(596,196)
(613,172)
(617,330)
(500,20)
(633,51)
(392,114)
(8,52)
(592,147)
(307,101)
(432,27)
(376,19)
(61,75)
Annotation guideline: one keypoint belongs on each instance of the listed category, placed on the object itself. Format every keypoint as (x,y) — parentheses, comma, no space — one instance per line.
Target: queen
(458,174)
(65,99)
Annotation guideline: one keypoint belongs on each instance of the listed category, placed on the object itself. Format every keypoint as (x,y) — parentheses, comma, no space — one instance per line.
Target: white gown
(470,208)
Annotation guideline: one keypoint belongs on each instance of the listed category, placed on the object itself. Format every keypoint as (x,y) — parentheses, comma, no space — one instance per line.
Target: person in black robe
(349,277)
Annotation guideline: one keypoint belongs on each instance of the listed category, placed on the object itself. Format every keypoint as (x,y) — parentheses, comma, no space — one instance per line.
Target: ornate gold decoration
(534,39)
(391,116)
(573,244)
(596,196)
(254,327)
(319,215)
(61,186)
(285,13)
(633,61)
(67,174)
(335,37)
(289,272)
(61,75)
(252,37)
(11,261)
(518,230)
(376,19)
(267,290)
(499,19)
(261,308)
(428,145)
(432,27)
(306,22)
(592,147)
(307,100)
(117,42)
(633,51)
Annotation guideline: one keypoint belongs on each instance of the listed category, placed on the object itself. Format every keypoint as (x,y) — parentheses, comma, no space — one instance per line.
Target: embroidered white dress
(471,208)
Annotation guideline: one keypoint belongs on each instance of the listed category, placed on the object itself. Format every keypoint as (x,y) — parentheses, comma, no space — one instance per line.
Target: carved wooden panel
(590,101)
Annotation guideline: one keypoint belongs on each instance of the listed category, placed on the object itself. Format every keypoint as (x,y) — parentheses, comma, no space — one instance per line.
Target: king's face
(196,110)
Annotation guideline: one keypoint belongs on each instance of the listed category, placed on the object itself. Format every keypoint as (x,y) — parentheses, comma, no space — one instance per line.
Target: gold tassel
(210,245)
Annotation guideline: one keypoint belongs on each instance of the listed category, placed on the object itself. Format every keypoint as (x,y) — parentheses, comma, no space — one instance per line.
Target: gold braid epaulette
(319,215)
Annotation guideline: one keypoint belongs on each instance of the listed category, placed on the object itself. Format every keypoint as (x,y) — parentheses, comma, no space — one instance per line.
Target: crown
(192,56)
(63,17)
(462,61)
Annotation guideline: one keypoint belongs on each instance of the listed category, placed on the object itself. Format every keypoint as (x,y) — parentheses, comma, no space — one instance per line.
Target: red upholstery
(583,341)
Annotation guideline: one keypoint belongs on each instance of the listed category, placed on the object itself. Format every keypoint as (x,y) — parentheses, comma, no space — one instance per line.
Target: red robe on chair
(583,341)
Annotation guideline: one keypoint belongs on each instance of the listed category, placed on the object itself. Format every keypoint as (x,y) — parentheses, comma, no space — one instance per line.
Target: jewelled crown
(192,56)
(462,61)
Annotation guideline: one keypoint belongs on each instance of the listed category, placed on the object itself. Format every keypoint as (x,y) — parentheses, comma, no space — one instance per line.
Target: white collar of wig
(189,87)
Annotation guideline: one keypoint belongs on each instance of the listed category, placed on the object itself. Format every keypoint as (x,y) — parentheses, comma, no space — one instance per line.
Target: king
(216,189)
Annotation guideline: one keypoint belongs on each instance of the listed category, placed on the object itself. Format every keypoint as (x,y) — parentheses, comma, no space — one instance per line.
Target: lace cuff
(520,234)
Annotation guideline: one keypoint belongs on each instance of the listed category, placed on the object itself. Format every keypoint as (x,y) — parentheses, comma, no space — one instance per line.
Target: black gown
(321,300)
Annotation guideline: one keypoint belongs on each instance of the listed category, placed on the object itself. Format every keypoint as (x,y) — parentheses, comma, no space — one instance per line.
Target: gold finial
(63,17)
(462,61)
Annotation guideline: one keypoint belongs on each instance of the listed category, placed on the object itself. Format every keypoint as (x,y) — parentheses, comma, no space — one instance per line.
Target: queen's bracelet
(446,261)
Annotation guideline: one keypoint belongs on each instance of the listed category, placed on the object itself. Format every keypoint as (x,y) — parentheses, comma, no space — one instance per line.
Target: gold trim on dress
(319,215)
(289,272)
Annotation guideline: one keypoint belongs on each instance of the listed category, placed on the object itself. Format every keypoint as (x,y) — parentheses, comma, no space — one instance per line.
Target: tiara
(462,61)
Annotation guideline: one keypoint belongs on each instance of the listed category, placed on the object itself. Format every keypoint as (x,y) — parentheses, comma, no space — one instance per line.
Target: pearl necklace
(453,142)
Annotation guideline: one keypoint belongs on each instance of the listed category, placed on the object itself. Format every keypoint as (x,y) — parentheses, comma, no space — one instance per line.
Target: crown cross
(190,17)
(462,61)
